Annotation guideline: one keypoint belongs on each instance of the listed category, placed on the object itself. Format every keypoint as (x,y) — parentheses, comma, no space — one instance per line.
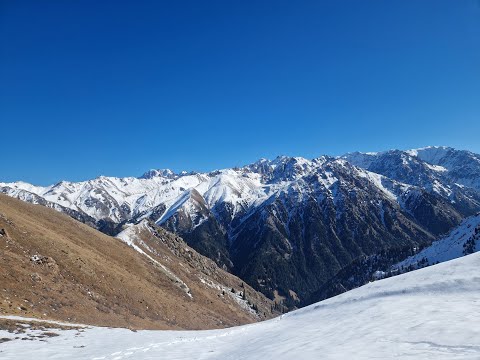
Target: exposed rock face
(309,232)
(449,173)
(287,225)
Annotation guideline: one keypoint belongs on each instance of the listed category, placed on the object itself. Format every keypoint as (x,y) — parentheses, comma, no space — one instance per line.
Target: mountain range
(286,226)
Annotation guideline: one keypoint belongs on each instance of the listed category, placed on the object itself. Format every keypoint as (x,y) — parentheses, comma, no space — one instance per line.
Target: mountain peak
(430,152)
(166,173)
(288,206)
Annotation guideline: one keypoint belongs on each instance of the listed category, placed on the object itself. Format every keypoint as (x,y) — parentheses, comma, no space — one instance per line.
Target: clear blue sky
(92,88)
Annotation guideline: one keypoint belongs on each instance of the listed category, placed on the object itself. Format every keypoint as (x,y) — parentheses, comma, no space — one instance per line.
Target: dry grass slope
(54,267)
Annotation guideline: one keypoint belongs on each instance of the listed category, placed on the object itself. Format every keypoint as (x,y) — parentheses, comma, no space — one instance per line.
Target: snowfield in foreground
(432,313)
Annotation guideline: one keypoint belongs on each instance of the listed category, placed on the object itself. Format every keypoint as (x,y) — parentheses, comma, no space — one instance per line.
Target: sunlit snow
(432,313)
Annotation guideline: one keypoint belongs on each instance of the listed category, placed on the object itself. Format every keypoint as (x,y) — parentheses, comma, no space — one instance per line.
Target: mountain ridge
(305,218)
(53,267)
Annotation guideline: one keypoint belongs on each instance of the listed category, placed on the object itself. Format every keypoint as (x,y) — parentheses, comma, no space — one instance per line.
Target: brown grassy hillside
(54,267)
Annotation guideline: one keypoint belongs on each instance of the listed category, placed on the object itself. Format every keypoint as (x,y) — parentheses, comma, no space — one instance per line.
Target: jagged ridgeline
(290,225)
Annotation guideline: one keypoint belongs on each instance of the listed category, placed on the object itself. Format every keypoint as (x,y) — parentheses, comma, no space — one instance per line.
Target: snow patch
(131,236)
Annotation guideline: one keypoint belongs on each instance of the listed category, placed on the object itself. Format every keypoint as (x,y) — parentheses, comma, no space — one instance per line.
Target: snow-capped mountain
(462,166)
(452,174)
(289,224)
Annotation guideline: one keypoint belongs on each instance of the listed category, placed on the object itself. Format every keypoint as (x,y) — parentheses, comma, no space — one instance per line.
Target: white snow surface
(240,190)
(142,194)
(379,181)
(243,189)
(449,247)
(463,165)
(430,154)
(432,313)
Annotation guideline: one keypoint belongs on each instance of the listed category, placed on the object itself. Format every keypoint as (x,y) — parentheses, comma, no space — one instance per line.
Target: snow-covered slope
(432,313)
(159,194)
(121,199)
(450,173)
(462,167)
(462,241)
(308,218)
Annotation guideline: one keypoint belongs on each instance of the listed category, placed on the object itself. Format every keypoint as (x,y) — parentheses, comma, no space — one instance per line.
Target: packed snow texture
(432,313)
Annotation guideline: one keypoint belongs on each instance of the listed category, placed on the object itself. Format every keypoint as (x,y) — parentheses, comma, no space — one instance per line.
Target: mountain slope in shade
(432,313)
(463,240)
(287,225)
(54,267)
(307,233)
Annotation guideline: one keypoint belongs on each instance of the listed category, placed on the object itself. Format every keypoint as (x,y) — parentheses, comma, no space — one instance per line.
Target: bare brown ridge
(54,267)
